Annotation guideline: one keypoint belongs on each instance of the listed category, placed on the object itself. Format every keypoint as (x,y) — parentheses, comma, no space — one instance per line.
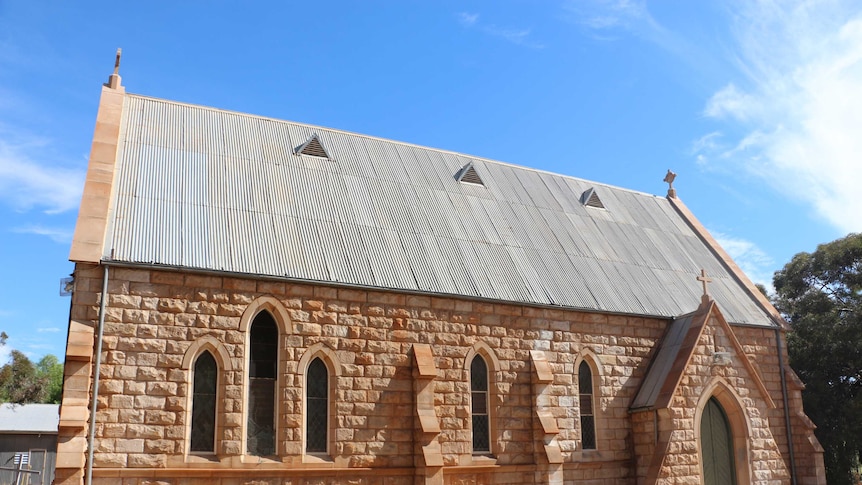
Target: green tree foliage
(22,382)
(820,294)
(52,369)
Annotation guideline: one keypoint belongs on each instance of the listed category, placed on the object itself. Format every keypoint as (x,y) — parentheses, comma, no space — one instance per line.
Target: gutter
(94,403)
(786,407)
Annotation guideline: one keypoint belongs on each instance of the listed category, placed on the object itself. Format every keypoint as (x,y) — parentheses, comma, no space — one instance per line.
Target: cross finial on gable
(117,62)
(705,280)
(669,178)
(114,80)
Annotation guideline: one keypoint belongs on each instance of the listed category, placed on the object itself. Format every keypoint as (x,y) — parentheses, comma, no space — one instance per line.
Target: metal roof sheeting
(201,188)
(29,418)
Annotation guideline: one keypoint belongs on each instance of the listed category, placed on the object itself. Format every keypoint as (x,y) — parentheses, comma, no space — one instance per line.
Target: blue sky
(756,105)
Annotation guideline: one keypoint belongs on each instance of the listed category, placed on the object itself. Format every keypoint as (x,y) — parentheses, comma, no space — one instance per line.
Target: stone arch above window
(320,350)
(212,345)
(486,351)
(270,304)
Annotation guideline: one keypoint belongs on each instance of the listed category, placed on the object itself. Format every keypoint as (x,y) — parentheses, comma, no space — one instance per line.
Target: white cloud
(609,14)
(749,257)
(467,19)
(730,102)
(49,330)
(59,235)
(800,113)
(515,36)
(25,183)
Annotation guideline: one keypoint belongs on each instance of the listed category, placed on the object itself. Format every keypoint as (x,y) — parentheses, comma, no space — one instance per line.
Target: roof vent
(313,148)
(590,198)
(468,174)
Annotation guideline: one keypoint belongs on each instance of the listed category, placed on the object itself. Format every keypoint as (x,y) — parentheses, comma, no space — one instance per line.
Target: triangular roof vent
(468,174)
(590,198)
(313,148)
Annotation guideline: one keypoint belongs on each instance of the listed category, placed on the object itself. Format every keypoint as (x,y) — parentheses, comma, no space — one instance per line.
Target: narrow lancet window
(204,404)
(263,360)
(317,407)
(479,405)
(588,419)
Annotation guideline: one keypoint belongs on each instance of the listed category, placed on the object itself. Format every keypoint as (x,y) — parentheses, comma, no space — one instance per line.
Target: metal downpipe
(786,407)
(92,437)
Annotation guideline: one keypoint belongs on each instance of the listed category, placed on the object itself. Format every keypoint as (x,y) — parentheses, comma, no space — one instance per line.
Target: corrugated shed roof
(29,418)
(201,188)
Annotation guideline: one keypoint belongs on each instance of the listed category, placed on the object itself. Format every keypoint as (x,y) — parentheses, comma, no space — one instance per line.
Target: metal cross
(705,280)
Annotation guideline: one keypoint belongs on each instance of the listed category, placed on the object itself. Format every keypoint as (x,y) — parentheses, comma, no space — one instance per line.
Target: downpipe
(92,437)
(786,407)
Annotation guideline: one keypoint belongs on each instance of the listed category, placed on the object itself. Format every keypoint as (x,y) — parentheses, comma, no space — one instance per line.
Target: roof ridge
(398,142)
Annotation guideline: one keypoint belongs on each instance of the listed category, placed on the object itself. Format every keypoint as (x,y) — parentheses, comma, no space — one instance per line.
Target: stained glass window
(585,401)
(479,405)
(204,404)
(263,360)
(317,407)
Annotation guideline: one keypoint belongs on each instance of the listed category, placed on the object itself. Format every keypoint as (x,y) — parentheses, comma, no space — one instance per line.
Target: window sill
(202,457)
(479,459)
(261,459)
(317,459)
(587,455)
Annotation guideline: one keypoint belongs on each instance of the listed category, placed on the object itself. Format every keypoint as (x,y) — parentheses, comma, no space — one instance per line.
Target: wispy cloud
(49,330)
(516,36)
(467,19)
(750,258)
(26,183)
(796,103)
(610,14)
(58,235)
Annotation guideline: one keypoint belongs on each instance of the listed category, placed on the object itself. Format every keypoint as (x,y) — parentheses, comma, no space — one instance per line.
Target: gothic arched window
(317,407)
(263,364)
(203,422)
(479,405)
(586,403)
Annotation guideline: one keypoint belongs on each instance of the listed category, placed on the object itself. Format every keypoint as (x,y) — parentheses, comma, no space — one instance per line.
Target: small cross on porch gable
(703,278)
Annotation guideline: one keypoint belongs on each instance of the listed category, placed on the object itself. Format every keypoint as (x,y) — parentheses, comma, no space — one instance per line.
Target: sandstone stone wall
(154,317)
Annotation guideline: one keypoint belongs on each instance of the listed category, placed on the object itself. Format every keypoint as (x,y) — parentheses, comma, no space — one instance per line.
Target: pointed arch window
(586,401)
(203,422)
(479,405)
(317,407)
(263,363)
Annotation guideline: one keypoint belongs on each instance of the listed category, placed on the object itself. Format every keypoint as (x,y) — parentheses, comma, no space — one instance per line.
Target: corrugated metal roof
(29,418)
(207,189)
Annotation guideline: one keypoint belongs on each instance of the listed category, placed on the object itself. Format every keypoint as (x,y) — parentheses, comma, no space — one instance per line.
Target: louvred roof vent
(313,148)
(468,174)
(590,198)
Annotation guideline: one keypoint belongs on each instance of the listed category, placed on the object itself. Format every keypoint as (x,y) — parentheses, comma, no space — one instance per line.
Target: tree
(22,382)
(52,370)
(820,295)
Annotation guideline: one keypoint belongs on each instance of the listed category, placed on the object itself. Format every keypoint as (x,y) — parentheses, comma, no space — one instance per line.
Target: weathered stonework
(156,322)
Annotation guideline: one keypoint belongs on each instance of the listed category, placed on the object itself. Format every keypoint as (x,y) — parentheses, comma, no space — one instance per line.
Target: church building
(259,301)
